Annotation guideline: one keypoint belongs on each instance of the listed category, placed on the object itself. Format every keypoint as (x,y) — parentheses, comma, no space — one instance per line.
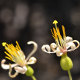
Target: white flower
(16,55)
(62,45)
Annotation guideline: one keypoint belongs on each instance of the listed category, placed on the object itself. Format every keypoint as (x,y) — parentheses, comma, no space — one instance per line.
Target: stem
(33,77)
(69,73)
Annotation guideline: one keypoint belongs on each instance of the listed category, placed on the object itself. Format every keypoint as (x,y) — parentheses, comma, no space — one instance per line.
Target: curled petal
(53,46)
(6,66)
(68,39)
(32,60)
(21,70)
(58,52)
(75,41)
(34,49)
(46,48)
(10,70)
(72,45)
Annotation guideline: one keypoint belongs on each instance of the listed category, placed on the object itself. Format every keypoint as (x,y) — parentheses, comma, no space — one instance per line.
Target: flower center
(63,50)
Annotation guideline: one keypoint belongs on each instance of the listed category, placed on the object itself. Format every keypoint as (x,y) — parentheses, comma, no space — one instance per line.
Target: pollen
(55,22)
(4,44)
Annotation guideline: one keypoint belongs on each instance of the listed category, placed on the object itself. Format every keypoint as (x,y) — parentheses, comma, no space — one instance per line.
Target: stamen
(8,58)
(55,22)
(9,51)
(14,54)
(14,50)
(4,44)
(56,37)
(8,55)
(52,34)
(17,48)
(59,36)
(55,34)
(63,29)
(18,45)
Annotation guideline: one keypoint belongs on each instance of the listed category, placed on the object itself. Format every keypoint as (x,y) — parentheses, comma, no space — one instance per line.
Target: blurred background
(26,20)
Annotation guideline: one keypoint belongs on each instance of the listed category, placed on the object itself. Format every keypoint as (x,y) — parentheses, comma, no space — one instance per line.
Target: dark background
(25,20)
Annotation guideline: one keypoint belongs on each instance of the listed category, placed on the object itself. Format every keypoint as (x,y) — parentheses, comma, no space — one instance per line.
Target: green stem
(69,73)
(33,77)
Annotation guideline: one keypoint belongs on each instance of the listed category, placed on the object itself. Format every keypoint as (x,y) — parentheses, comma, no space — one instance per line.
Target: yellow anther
(8,55)
(4,44)
(55,22)
(63,29)
(18,45)
(8,58)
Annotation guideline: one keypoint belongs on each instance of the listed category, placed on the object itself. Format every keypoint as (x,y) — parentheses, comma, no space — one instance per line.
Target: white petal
(68,39)
(6,66)
(10,72)
(34,49)
(21,70)
(58,52)
(53,46)
(72,45)
(32,60)
(46,48)
(78,44)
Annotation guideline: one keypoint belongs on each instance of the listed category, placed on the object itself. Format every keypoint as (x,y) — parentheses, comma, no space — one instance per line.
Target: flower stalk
(69,73)
(33,77)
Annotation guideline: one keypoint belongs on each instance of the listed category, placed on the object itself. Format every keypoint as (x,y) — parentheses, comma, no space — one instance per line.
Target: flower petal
(6,66)
(34,49)
(21,70)
(32,60)
(53,46)
(46,48)
(72,45)
(68,39)
(10,71)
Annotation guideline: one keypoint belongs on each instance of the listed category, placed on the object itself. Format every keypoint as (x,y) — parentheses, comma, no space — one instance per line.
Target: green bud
(29,71)
(66,63)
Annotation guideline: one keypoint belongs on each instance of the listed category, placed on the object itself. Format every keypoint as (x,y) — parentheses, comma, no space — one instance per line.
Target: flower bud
(66,63)
(29,71)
